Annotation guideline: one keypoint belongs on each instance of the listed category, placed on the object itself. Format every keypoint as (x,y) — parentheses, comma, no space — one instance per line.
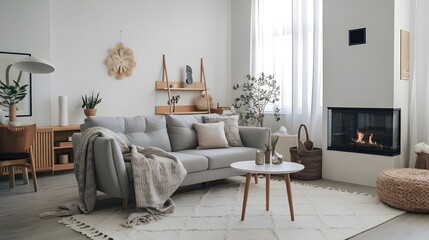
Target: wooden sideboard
(52,149)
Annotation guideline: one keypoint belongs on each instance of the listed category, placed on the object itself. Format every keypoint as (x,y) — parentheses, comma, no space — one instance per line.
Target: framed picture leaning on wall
(24,107)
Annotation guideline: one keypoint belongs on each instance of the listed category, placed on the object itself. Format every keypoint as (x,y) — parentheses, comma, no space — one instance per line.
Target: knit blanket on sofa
(157,175)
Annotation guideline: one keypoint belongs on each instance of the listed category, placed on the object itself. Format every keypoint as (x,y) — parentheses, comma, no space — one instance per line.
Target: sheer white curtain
(419,98)
(286,40)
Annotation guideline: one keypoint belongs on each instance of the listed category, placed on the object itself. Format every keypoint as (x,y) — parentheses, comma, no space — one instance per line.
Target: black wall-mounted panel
(357,36)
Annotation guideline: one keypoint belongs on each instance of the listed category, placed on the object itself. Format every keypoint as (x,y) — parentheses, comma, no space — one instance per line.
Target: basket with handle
(308,156)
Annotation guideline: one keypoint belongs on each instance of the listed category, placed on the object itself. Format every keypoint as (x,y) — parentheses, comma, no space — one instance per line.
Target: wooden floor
(19,209)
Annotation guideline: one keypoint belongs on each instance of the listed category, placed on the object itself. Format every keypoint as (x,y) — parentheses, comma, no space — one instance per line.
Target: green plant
(12,94)
(272,146)
(91,102)
(256,94)
(274,141)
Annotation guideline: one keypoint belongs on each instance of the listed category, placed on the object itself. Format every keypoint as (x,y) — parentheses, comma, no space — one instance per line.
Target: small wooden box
(63,144)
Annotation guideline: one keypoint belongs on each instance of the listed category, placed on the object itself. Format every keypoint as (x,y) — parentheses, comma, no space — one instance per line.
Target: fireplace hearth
(364,130)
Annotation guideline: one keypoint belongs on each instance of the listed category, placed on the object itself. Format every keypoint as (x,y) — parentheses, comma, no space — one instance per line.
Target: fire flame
(361,135)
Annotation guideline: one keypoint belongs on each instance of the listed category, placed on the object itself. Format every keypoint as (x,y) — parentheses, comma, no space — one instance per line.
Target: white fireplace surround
(365,75)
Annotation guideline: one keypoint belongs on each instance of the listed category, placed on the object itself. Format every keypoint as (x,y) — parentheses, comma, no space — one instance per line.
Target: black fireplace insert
(365,130)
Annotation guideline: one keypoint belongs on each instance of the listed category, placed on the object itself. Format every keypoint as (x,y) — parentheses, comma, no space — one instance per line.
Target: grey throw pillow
(231,128)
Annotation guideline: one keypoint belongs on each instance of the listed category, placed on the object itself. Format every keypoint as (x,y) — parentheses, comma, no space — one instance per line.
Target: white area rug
(214,213)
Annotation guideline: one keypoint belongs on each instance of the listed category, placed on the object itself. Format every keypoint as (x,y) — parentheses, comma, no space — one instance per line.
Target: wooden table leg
(246,195)
(256,178)
(289,196)
(267,192)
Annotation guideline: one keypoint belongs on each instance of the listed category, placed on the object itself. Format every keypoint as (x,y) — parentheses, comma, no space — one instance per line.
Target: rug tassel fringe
(84,229)
(135,219)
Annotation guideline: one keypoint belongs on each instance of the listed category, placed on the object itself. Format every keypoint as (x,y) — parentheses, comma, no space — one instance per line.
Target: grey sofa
(173,133)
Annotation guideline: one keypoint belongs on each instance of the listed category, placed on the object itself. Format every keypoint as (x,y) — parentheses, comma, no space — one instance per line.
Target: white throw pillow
(231,128)
(211,135)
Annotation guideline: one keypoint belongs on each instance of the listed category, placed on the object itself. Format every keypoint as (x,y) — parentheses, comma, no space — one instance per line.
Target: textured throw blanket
(157,174)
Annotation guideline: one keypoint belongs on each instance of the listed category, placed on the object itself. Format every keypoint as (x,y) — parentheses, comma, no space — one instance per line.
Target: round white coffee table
(250,168)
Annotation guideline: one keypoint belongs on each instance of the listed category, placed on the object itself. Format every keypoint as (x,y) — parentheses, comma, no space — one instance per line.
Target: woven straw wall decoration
(120,61)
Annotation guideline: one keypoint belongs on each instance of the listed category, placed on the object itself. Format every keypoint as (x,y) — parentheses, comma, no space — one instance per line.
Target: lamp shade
(34,65)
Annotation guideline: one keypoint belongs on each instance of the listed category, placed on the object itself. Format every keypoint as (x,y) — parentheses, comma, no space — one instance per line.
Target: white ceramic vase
(63,119)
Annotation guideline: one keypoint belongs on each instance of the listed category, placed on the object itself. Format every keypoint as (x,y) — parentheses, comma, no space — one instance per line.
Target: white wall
(359,75)
(83,31)
(76,37)
(401,87)
(24,27)
(240,40)
(362,76)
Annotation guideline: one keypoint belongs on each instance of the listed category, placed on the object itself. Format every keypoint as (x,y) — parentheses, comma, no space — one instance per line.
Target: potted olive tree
(256,94)
(10,95)
(89,103)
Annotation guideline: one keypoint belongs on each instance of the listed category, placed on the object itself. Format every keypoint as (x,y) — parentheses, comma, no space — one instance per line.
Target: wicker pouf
(404,188)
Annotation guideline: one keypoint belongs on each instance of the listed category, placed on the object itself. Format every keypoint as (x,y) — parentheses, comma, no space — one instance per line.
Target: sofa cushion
(180,131)
(231,128)
(211,135)
(191,162)
(140,130)
(223,157)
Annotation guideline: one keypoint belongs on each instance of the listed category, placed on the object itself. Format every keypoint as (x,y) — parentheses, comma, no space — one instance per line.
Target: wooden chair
(16,150)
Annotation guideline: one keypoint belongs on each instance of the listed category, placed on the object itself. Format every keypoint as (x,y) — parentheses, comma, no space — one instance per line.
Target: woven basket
(311,159)
(404,188)
(422,161)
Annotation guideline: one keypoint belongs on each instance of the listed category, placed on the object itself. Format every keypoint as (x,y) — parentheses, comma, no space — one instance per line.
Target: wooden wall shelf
(170,86)
(180,109)
(180,86)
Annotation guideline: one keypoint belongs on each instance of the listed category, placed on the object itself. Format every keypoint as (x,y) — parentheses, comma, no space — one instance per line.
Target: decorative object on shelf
(12,94)
(120,61)
(173,101)
(201,102)
(189,79)
(63,158)
(260,157)
(89,103)
(256,94)
(63,119)
(62,144)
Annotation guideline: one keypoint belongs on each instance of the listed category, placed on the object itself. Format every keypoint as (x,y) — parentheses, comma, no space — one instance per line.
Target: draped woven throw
(157,174)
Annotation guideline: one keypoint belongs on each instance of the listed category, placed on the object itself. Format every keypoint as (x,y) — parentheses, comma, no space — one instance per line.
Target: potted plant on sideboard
(89,103)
